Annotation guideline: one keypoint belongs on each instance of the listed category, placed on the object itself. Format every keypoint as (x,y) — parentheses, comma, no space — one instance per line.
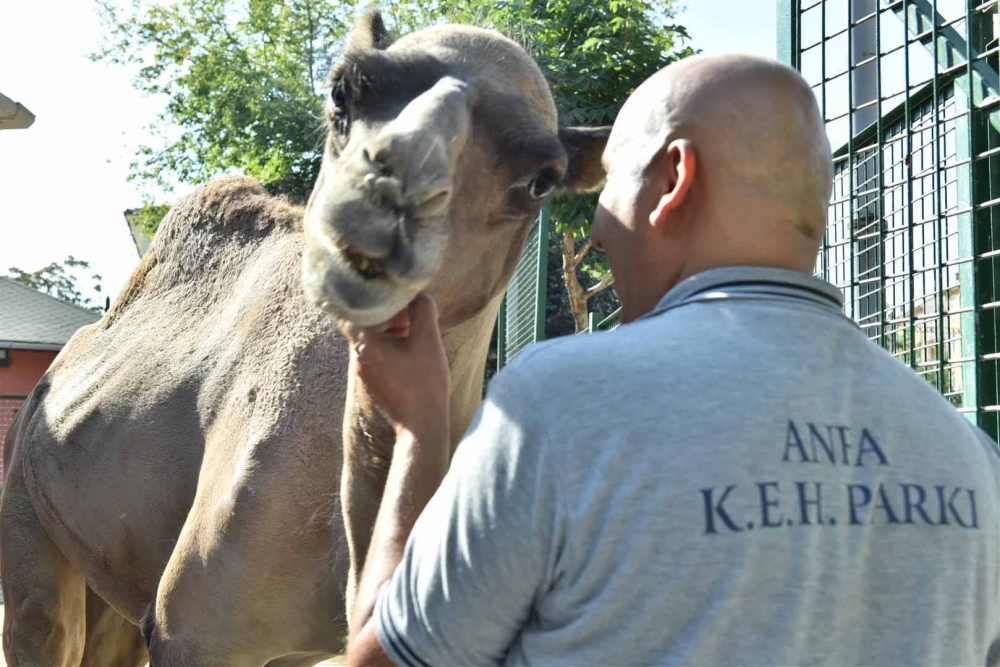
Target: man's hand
(403,364)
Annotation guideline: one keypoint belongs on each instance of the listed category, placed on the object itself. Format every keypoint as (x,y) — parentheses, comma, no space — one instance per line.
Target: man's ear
(584,147)
(369,32)
(674,169)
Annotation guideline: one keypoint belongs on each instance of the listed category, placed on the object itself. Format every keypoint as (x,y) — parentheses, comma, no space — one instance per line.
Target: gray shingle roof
(33,320)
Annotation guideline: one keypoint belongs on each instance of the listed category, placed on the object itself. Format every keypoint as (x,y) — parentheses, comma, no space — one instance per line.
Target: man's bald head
(754,123)
(713,161)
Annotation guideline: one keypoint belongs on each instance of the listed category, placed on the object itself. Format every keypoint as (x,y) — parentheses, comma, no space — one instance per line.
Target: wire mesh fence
(522,315)
(908,90)
(520,320)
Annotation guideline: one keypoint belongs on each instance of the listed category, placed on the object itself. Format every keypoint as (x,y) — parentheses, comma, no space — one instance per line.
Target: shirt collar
(741,282)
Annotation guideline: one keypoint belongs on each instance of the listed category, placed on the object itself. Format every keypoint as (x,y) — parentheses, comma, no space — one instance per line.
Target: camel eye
(340,96)
(543,183)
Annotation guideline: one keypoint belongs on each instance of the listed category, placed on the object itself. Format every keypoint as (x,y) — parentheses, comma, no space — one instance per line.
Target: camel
(202,463)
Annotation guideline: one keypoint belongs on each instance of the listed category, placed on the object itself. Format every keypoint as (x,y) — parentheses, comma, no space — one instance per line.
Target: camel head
(442,148)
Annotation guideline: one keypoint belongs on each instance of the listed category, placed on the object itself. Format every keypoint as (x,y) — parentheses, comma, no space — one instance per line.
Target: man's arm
(455,564)
(403,364)
(483,551)
(418,466)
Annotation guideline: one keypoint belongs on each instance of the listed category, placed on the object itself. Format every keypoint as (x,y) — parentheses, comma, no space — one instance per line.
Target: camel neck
(467,346)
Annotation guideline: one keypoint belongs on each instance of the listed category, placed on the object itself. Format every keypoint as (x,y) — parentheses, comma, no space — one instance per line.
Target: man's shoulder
(563,358)
(911,404)
(596,362)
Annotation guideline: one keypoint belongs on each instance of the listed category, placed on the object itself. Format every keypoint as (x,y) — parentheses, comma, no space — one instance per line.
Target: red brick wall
(26,367)
(8,407)
(16,382)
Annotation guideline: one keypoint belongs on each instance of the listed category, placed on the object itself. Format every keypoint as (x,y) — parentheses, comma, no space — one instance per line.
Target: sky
(63,181)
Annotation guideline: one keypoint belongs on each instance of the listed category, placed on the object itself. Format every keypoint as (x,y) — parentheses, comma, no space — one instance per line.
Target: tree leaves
(58,280)
(241,82)
(147,218)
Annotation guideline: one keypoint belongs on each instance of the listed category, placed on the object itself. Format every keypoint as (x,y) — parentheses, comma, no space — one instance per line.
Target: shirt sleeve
(481,552)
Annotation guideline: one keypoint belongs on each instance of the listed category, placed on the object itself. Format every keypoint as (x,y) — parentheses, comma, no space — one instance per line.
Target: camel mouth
(352,286)
(369,268)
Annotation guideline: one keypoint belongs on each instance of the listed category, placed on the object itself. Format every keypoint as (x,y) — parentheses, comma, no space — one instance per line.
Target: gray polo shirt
(738,477)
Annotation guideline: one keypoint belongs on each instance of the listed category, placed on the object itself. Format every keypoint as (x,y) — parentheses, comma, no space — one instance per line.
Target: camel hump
(207,231)
(228,206)
(240,202)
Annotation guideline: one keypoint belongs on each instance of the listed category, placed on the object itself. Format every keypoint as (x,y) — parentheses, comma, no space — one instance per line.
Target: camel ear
(369,32)
(584,146)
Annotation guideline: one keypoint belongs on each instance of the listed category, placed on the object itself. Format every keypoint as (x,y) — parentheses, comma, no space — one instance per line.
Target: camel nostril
(383,191)
(388,192)
(378,162)
(434,204)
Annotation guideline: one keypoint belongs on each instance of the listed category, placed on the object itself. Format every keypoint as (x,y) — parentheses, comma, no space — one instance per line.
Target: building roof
(138,236)
(14,116)
(35,321)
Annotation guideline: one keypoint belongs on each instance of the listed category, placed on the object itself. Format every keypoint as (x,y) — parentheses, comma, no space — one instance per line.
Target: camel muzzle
(377,229)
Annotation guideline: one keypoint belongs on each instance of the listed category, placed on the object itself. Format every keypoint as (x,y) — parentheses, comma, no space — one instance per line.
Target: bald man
(735,476)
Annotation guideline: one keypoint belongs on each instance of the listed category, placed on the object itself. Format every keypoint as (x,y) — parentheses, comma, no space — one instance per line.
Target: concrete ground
(331,663)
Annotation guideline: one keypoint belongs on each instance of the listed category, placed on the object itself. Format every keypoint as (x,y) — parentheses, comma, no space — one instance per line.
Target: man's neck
(800,257)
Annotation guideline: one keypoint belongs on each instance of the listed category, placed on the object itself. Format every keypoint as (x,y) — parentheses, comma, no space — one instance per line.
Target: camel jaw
(333,282)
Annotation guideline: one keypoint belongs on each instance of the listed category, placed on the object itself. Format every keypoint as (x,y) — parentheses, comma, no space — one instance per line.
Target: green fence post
(983,290)
(502,335)
(936,190)
(541,290)
(788,32)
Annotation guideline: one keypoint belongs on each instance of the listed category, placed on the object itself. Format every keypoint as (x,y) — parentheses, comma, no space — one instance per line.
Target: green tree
(240,80)
(148,217)
(594,55)
(243,83)
(58,279)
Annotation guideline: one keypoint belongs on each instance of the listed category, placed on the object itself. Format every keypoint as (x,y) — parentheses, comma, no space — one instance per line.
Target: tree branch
(577,300)
(607,281)
(583,253)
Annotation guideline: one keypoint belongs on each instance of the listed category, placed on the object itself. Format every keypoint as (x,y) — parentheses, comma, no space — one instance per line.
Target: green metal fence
(609,323)
(521,321)
(908,89)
